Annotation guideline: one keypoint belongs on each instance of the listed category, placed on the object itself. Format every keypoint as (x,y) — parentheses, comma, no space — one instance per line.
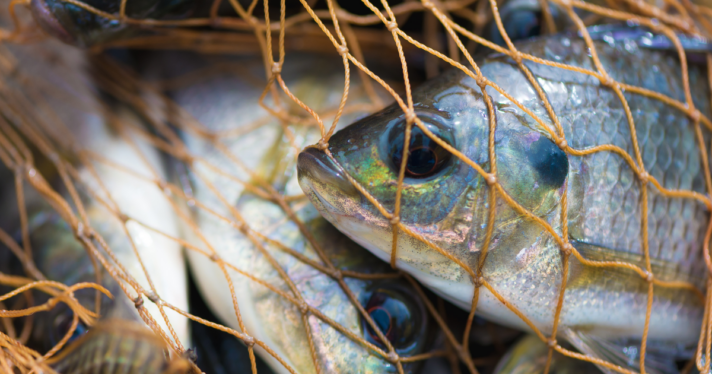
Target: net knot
(395,220)
(695,115)
(607,81)
(649,276)
(243,227)
(562,143)
(392,356)
(342,49)
(391,25)
(517,57)
(336,274)
(322,145)
(303,307)
(249,341)
(122,216)
(479,281)
(152,296)
(551,343)
(644,177)
(276,68)
(80,232)
(214,257)
(428,5)
(491,179)
(567,248)
(481,81)
(410,116)
(138,302)
(89,233)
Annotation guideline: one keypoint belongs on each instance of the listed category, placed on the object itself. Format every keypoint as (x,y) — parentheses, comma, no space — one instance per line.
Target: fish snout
(44,13)
(319,175)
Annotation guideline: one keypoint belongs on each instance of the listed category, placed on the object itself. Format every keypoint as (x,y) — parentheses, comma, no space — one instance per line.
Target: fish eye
(425,156)
(62,324)
(519,24)
(400,317)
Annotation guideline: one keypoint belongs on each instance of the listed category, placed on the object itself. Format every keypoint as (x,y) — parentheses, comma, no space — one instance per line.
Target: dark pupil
(421,161)
(425,156)
(393,316)
(383,320)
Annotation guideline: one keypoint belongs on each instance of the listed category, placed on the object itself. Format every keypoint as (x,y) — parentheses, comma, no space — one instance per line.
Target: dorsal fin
(646,38)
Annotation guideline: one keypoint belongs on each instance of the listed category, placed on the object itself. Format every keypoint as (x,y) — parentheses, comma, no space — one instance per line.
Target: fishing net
(29,132)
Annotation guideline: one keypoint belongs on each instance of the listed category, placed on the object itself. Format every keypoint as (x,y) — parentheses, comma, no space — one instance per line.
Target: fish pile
(567,207)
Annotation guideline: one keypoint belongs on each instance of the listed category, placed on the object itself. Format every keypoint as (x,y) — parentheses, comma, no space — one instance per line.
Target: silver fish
(55,80)
(446,201)
(226,102)
(523,19)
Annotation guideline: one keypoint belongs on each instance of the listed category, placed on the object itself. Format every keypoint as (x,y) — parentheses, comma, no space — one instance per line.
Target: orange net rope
(272,35)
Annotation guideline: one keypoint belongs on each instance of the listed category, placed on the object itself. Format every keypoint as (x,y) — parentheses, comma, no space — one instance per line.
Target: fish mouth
(324,182)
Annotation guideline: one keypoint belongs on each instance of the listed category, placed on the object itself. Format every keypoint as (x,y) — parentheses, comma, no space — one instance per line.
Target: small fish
(56,81)
(529,356)
(218,352)
(119,347)
(524,19)
(79,26)
(227,102)
(446,201)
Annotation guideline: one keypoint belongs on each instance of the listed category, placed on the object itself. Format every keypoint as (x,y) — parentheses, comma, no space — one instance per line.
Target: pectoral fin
(625,354)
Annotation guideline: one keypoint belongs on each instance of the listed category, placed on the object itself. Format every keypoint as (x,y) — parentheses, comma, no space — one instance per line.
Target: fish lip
(320,177)
(46,19)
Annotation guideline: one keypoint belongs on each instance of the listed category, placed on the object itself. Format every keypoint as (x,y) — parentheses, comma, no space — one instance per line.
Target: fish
(81,27)
(119,346)
(524,19)
(529,355)
(446,202)
(78,121)
(228,102)
(218,352)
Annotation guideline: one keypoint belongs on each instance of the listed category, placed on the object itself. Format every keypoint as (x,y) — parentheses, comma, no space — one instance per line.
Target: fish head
(444,199)
(394,306)
(84,27)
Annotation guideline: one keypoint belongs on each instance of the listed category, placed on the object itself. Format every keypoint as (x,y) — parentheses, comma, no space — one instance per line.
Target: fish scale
(594,201)
(119,347)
